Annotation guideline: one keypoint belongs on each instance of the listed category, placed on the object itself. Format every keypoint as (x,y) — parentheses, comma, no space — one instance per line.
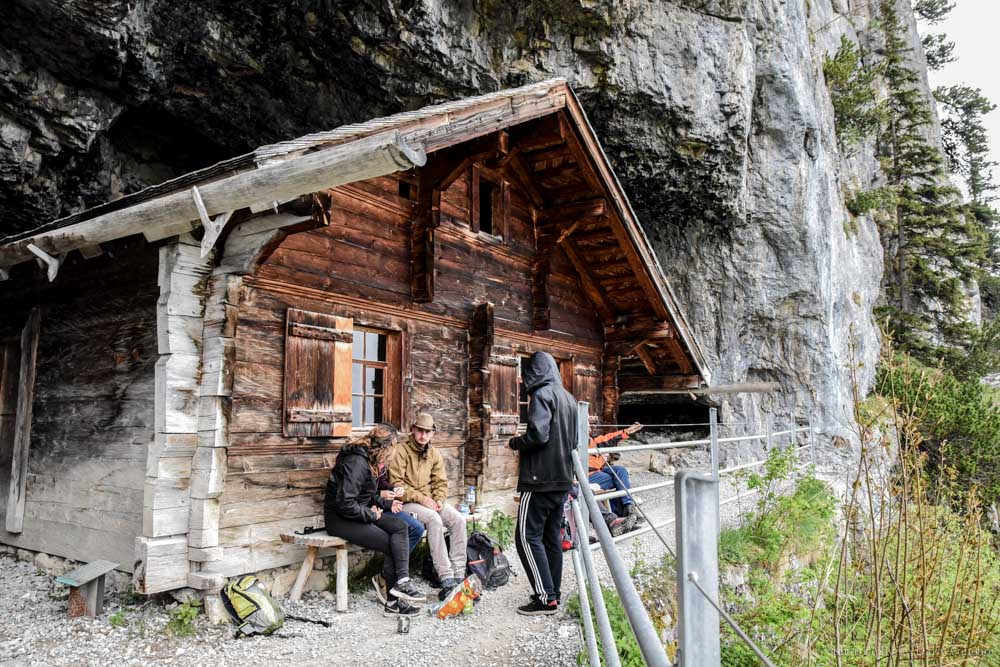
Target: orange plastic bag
(459,600)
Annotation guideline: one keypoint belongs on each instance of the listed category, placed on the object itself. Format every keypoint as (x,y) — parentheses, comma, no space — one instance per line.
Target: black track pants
(389,535)
(538,542)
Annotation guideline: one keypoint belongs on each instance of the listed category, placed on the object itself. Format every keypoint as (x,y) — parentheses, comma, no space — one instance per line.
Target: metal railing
(697,528)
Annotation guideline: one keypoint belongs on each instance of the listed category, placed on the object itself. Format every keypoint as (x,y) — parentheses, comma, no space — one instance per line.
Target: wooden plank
(74,541)
(84,574)
(22,433)
(630,383)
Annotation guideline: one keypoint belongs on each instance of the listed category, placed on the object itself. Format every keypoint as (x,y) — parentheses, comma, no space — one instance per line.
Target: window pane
(374,381)
(374,346)
(356,416)
(370,409)
(376,410)
(357,373)
(359,345)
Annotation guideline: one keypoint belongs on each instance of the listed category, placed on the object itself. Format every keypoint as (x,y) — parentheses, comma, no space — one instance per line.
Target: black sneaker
(408,592)
(538,608)
(399,608)
(449,583)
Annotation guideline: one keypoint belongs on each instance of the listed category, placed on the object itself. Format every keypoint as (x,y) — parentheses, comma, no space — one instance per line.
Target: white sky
(974,26)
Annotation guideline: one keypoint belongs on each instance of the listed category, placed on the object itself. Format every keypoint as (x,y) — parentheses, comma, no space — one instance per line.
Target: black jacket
(351,490)
(546,462)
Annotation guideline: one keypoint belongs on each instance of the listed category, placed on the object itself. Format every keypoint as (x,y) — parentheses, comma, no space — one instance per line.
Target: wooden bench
(86,592)
(313,543)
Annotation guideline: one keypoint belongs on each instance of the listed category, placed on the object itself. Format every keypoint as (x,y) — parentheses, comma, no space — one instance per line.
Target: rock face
(714,113)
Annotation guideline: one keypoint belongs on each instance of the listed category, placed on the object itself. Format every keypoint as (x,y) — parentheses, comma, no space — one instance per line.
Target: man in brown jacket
(418,468)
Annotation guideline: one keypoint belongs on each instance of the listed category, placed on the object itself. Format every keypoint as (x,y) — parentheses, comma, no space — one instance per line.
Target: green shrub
(117,619)
(182,617)
(501,528)
(958,422)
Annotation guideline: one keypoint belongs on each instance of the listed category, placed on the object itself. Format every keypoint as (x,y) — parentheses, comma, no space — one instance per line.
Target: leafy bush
(956,422)
(501,528)
(117,619)
(182,617)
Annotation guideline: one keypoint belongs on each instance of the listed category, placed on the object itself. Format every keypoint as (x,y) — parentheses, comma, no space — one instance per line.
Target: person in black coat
(545,475)
(356,512)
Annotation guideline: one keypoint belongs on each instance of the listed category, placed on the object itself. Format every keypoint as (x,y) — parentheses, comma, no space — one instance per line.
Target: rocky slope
(714,113)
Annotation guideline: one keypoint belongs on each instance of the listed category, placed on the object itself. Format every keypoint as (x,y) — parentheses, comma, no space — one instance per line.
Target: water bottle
(470,496)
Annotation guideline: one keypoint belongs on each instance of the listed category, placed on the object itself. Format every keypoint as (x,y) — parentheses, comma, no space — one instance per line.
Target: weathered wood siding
(93,406)
(358,267)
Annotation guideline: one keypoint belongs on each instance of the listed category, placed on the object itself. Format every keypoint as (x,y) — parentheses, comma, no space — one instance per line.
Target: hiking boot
(538,608)
(378,582)
(399,608)
(449,583)
(633,511)
(630,522)
(617,526)
(407,591)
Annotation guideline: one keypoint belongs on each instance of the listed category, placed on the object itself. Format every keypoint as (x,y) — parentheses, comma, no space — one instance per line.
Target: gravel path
(35,631)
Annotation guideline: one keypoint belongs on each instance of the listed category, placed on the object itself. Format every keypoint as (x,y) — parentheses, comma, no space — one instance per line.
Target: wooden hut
(174,392)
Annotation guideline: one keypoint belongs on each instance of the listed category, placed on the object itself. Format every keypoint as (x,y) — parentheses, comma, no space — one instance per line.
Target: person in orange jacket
(603,473)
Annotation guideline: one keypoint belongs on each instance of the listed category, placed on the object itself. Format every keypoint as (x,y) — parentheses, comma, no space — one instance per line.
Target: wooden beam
(22,429)
(377,155)
(590,288)
(515,165)
(576,149)
(632,383)
(739,388)
(422,246)
(646,358)
(578,211)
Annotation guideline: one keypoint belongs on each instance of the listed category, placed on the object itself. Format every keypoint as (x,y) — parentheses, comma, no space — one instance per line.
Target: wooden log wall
(92,417)
(358,267)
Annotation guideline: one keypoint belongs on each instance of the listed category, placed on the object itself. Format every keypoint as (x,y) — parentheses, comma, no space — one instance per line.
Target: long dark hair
(380,442)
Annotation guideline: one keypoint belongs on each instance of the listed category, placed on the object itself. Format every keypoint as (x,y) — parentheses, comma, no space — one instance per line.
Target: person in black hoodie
(356,512)
(545,475)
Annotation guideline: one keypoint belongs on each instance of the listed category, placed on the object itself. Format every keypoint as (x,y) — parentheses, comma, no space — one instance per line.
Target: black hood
(542,370)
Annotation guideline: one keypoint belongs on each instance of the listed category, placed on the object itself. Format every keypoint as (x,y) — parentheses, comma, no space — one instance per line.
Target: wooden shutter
(503,395)
(587,387)
(317,374)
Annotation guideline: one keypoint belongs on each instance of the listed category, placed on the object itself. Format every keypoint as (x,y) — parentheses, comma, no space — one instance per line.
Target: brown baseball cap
(425,421)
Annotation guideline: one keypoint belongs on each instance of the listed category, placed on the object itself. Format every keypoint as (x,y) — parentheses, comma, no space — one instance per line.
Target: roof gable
(551,151)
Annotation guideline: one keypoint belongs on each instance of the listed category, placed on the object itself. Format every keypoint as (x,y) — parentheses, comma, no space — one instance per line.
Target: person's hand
(438,505)
(387,495)
(429,504)
(399,491)
(378,512)
(634,428)
(397,506)
(514,443)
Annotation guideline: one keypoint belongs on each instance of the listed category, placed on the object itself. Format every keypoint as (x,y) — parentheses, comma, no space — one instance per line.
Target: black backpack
(486,560)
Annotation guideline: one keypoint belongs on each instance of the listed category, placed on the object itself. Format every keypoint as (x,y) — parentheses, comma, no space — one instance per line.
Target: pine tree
(938,49)
(933,250)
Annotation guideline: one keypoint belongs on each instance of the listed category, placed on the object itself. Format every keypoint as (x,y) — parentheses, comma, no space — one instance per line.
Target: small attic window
(487,192)
(488,203)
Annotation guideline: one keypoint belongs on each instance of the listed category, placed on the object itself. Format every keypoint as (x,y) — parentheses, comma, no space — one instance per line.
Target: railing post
(611,658)
(696,506)
(593,653)
(583,447)
(713,429)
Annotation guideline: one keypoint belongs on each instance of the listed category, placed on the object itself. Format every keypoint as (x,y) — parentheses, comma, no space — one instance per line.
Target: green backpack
(253,611)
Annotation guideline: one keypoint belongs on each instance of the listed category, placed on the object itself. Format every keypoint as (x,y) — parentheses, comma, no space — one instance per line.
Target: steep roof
(558,157)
